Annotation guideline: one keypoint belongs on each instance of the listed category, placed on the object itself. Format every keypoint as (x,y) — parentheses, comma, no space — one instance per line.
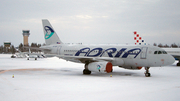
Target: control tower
(26,35)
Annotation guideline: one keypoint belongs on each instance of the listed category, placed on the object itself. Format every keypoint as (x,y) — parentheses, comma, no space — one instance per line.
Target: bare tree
(166,46)
(160,45)
(21,47)
(13,50)
(174,45)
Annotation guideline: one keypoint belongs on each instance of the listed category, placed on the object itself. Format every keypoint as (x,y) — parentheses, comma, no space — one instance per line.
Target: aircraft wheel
(86,72)
(27,58)
(147,74)
(35,58)
(178,64)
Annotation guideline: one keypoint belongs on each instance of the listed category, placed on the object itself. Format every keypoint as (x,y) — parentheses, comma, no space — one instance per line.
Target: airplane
(175,52)
(29,55)
(102,58)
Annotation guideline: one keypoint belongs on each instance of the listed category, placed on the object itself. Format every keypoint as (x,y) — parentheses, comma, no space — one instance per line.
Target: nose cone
(170,59)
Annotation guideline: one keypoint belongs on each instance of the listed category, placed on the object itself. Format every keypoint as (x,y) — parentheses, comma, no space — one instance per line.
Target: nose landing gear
(147,74)
(178,64)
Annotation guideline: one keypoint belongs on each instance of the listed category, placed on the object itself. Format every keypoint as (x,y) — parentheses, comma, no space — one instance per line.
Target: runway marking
(1,71)
(33,69)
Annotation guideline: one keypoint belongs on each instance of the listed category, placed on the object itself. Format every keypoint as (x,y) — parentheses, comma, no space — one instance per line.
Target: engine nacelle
(103,67)
(132,68)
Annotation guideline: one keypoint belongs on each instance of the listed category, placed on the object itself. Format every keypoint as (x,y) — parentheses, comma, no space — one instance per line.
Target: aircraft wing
(83,59)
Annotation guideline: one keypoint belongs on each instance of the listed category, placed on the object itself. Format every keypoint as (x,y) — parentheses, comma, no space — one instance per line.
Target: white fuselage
(124,56)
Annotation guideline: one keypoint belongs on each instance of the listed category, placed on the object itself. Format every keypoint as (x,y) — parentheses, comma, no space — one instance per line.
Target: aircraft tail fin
(49,34)
(138,40)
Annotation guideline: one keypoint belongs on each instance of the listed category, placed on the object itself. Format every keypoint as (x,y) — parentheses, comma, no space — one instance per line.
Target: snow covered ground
(53,79)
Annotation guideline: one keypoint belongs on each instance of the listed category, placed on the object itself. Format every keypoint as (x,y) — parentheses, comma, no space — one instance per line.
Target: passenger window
(159,52)
(155,52)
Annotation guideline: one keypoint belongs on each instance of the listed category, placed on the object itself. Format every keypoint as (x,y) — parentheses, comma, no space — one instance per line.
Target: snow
(53,79)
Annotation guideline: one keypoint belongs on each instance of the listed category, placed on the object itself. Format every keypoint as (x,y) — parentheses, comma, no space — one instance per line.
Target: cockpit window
(160,52)
(164,52)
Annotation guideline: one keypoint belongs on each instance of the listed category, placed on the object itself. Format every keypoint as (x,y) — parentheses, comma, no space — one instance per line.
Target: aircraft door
(59,50)
(144,52)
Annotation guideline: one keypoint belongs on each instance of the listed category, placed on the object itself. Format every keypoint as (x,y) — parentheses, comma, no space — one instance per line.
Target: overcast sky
(91,21)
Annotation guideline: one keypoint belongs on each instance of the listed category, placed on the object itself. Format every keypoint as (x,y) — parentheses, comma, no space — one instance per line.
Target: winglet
(138,40)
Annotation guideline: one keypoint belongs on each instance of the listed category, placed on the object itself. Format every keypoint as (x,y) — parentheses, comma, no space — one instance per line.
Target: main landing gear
(147,74)
(86,71)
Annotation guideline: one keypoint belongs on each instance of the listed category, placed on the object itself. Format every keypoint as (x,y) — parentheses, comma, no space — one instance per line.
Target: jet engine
(103,67)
